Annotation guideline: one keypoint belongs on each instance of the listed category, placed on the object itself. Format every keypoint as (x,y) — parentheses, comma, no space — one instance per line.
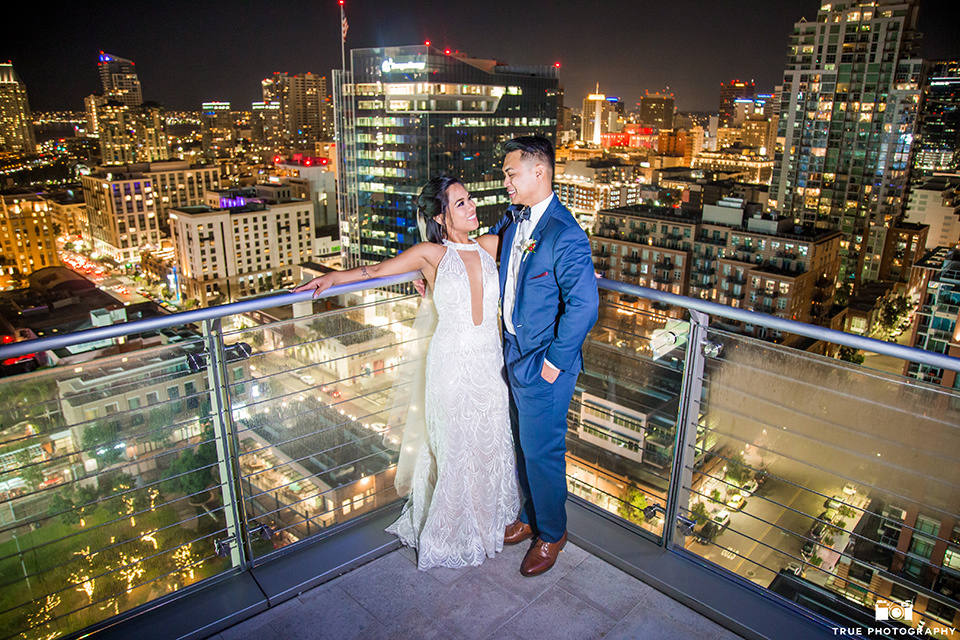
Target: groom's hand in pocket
(549,374)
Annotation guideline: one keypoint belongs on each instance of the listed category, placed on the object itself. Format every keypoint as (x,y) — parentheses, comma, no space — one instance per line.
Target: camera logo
(887,610)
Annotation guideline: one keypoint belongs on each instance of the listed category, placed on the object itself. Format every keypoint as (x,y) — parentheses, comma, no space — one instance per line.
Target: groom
(550,301)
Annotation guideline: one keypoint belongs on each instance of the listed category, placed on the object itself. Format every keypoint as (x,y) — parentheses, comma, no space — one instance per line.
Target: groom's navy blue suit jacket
(556,301)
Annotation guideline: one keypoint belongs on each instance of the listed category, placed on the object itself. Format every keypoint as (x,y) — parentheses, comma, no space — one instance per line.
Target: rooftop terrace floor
(581,598)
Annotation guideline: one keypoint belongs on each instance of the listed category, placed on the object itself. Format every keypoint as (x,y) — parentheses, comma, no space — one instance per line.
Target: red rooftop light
(426,42)
(556,64)
(446,51)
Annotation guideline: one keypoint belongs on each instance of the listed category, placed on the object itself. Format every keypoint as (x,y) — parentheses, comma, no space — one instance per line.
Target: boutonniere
(528,246)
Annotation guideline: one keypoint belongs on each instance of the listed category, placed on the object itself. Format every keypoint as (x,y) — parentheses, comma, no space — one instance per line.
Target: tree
(893,312)
(100,438)
(737,469)
(842,296)
(62,505)
(699,512)
(634,502)
(849,354)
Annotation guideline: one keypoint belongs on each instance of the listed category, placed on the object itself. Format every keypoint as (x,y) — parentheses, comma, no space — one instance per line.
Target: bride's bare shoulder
(490,243)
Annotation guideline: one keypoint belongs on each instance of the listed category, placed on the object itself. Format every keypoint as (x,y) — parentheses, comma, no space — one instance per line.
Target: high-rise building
(216,129)
(935,327)
(127,205)
(16,125)
(120,80)
(729,252)
(28,242)
(850,95)
(92,105)
(266,127)
(598,113)
(312,179)
(672,142)
(406,114)
(656,110)
(937,143)
(132,134)
(730,92)
(240,242)
(68,211)
(936,203)
(305,109)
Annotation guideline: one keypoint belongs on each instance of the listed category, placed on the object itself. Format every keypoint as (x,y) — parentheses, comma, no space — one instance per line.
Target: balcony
(950,310)
(718,242)
(239,470)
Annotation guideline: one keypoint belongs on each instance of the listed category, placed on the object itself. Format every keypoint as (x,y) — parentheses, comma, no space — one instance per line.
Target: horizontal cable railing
(130,477)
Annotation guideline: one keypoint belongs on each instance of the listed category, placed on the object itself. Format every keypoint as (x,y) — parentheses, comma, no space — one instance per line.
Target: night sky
(188,52)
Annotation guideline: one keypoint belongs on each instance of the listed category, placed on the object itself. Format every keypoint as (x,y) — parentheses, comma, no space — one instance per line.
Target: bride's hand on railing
(318,285)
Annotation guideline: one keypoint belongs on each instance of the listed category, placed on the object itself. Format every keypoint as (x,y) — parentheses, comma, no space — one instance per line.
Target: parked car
(749,487)
(818,530)
(721,519)
(808,549)
(736,502)
(833,503)
(306,378)
(850,489)
(707,533)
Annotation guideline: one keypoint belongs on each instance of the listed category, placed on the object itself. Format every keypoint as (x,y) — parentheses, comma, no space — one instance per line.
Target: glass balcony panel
(111,493)
(843,474)
(624,413)
(311,422)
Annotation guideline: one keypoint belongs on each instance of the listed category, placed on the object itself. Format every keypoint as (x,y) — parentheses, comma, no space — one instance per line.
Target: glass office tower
(405,114)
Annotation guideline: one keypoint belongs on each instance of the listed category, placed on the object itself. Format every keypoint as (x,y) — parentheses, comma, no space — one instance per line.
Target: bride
(463,492)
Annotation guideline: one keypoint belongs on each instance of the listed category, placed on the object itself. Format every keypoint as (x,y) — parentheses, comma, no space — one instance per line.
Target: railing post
(688,417)
(238,540)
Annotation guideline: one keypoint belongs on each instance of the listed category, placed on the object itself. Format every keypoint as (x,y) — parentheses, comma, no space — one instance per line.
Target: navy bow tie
(520,214)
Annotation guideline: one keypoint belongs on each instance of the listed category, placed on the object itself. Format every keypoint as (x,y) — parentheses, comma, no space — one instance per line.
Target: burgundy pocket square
(540,276)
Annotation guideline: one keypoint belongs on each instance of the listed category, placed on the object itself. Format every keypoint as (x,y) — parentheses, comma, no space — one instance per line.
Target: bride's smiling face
(461,214)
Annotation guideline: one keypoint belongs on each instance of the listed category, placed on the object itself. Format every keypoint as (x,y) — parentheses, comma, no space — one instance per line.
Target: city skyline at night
(187,54)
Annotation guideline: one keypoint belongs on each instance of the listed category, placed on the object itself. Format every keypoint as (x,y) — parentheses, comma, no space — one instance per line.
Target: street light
(20,554)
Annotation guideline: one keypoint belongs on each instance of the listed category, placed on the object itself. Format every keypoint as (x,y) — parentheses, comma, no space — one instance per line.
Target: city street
(769,531)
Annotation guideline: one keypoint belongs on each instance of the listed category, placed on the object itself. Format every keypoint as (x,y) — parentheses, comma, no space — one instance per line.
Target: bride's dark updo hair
(432,203)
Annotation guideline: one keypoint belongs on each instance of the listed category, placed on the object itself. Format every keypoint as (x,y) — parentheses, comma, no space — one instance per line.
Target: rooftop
(581,597)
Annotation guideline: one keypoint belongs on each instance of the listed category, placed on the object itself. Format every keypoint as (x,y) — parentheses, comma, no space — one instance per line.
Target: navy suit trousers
(538,415)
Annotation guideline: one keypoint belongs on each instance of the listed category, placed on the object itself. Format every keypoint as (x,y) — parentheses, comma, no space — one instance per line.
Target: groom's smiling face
(521,179)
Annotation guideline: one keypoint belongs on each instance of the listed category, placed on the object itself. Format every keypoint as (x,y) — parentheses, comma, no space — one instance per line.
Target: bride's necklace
(461,245)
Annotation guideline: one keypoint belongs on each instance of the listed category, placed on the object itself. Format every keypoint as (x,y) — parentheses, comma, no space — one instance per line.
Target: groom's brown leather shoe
(542,556)
(517,532)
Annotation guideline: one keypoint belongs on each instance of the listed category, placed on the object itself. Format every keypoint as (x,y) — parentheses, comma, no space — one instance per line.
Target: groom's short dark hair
(537,146)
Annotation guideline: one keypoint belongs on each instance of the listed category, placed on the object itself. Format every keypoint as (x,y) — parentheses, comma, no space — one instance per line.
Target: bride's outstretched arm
(420,257)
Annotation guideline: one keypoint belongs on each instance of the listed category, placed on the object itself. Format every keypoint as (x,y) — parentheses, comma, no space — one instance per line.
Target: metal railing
(130,477)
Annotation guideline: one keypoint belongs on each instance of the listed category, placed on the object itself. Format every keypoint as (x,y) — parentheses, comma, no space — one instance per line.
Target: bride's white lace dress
(464,488)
